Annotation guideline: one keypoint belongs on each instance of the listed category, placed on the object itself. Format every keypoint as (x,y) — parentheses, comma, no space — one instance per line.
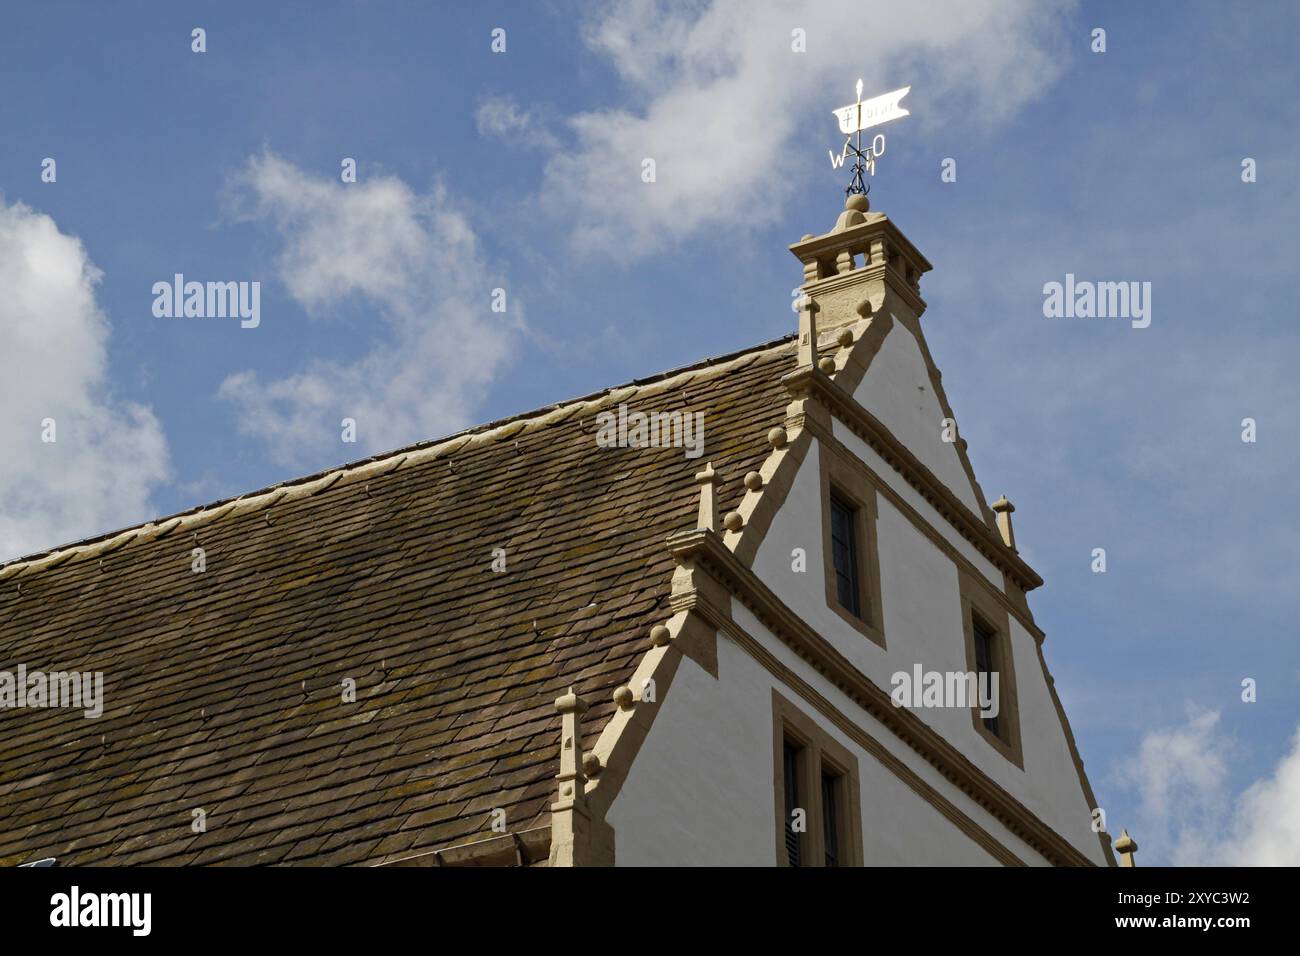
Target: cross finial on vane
(856,117)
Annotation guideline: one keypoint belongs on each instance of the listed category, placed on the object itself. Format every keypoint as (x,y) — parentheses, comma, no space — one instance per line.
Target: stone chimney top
(863,256)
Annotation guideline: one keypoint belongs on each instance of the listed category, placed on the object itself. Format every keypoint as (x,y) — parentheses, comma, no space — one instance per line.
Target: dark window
(830,817)
(792,838)
(844,554)
(985,660)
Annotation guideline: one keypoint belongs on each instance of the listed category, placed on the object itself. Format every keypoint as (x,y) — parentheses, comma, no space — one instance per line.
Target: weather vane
(861,115)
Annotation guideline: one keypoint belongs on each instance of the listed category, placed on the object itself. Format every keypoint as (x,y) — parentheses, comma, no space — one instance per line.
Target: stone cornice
(874,226)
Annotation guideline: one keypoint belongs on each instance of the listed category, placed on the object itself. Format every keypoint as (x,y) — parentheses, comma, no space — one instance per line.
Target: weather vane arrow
(864,114)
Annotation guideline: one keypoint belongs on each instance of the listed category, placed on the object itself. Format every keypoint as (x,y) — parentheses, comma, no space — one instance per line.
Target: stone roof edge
(379,465)
(516,848)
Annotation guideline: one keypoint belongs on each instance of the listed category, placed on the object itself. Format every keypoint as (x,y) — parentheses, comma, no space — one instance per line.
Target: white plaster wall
(701,791)
(798,523)
(898,391)
(927,511)
(922,612)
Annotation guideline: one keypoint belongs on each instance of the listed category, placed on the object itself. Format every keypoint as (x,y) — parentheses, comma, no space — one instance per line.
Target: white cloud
(1268,817)
(108,454)
(501,117)
(1187,815)
(723,97)
(415,261)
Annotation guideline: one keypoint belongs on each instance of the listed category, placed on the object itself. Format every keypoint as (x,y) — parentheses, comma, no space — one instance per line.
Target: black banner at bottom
(923,905)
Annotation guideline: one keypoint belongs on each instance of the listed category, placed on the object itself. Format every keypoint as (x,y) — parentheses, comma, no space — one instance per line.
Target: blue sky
(521,170)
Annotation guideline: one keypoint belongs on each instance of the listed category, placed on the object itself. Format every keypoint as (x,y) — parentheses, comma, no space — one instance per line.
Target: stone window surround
(820,750)
(976,600)
(846,480)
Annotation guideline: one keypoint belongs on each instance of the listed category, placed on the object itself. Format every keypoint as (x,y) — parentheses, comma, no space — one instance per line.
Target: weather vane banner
(865,114)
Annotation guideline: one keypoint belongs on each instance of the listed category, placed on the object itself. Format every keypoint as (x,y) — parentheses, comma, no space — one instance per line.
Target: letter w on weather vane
(861,115)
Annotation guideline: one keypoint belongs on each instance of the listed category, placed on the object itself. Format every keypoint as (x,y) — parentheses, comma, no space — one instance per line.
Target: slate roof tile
(223,690)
